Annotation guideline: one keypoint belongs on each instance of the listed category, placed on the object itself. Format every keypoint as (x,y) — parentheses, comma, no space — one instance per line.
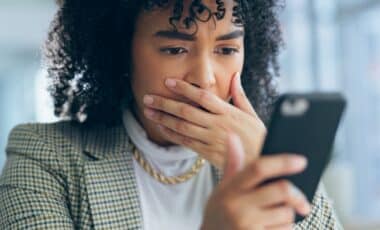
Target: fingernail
(307,209)
(148,100)
(299,162)
(170,82)
(296,192)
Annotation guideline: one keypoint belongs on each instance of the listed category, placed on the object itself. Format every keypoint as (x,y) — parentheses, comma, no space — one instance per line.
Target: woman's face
(207,59)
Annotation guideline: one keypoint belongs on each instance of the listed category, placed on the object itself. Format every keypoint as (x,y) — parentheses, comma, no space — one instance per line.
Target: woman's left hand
(206,132)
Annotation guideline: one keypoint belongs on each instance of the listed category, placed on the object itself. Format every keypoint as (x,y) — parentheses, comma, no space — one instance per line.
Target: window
(335,45)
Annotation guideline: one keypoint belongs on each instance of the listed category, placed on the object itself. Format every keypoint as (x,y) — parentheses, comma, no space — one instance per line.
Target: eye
(227,51)
(173,50)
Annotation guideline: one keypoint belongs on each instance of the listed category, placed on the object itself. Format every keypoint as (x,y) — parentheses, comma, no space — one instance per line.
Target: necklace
(162,178)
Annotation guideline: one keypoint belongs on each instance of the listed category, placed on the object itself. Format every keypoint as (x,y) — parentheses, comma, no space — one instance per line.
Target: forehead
(159,18)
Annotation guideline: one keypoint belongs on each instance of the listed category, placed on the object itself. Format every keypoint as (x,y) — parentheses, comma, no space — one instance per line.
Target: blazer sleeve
(322,216)
(32,184)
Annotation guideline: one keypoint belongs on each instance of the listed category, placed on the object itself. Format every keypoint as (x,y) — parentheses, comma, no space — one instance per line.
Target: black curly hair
(89,44)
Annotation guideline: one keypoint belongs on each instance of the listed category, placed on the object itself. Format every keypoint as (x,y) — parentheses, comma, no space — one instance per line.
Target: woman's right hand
(241,201)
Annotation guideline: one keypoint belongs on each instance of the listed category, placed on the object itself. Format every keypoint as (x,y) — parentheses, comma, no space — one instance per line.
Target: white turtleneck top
(168,207)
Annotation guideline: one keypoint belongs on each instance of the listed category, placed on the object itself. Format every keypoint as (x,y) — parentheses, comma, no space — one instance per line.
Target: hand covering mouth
(196,105)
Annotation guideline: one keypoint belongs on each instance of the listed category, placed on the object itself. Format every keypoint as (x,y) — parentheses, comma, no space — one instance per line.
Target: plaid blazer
(61,176)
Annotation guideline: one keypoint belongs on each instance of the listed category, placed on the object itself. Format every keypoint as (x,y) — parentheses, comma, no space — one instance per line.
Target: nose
(202,74)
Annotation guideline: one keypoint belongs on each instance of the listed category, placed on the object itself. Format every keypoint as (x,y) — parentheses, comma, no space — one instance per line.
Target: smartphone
(306,124)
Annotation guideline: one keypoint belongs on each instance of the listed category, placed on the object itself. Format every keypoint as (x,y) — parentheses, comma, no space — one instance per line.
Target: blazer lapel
(110,180)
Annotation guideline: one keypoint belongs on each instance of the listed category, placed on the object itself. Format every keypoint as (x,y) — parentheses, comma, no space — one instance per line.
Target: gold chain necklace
(162,178)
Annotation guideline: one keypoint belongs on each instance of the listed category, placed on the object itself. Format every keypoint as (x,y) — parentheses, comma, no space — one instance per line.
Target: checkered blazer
(61,176)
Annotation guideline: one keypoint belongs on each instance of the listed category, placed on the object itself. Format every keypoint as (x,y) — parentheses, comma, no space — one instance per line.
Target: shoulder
(33,136)
(55,147)
(50,144)
(28,130)
(37,176)
(65,140)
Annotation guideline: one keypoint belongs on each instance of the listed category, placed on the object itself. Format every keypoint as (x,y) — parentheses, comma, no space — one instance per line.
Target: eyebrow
(176,35)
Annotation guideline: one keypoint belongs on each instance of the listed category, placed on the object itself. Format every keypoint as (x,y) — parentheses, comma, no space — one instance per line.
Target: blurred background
(330,45)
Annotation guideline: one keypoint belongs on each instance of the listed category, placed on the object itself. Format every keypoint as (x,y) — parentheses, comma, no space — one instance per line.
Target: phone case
(305,124)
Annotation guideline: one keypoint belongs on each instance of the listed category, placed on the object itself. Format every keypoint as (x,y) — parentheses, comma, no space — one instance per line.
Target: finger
(207,100)
(180,139)
(281,227)
(278,193)
(178,109)
(268,167)
(178,125)
(235,156)
(198,146)
(239,97)
(278,216)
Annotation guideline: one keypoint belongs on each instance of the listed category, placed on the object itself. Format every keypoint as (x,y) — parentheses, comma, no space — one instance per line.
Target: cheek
(225,76)
(147,74)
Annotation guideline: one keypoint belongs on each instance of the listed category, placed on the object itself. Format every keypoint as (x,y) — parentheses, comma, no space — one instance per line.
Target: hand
(206,130)
(241,202)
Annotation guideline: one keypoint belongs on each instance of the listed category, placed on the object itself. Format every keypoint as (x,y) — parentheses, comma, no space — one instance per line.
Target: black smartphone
(306,124)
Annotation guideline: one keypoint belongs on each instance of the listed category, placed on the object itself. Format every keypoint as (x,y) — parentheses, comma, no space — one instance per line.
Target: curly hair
(88,52)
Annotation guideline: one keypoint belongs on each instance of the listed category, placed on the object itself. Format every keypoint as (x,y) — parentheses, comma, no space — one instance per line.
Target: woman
(156,112)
